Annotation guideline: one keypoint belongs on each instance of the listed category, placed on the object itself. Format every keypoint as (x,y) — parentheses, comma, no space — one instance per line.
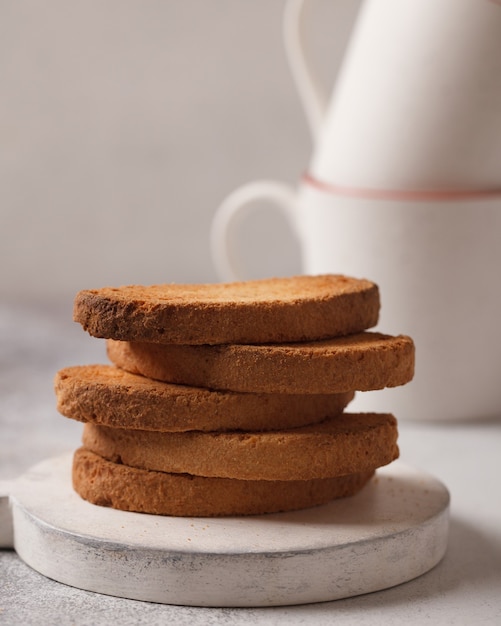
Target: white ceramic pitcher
(404,188)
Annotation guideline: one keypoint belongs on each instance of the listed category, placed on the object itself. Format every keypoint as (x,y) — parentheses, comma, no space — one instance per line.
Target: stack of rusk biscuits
(229,399)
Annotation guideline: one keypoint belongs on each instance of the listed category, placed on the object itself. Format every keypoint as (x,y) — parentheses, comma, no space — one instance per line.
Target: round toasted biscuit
(361,362)
(299,308)
(107,395)
(126,488)
(345,444)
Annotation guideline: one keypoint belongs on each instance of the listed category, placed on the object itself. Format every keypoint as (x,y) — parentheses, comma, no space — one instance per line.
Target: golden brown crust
(299,308)
(345,444)
(107,395)
(361,362)
(109,484)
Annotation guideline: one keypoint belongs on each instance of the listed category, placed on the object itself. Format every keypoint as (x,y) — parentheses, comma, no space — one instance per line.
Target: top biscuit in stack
(276,310)
(293,350)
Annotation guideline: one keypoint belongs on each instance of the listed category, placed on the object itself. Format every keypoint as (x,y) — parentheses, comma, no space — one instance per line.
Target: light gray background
(125,123)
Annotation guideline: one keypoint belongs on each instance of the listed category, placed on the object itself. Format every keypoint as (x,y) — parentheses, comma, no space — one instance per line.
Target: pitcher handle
(312,95)
(235,207)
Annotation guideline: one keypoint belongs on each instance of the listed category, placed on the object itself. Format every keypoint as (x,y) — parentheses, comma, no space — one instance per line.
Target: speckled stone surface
(463,589)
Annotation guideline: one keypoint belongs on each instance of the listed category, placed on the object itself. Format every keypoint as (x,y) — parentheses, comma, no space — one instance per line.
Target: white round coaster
(392,531)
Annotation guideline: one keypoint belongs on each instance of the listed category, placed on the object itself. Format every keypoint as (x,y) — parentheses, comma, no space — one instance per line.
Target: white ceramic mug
(417,102)
(437,262)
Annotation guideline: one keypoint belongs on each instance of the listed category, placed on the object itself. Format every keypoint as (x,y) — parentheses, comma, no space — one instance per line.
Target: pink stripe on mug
(401,194)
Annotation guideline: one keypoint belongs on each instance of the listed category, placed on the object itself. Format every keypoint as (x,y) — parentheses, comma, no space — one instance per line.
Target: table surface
(464,588)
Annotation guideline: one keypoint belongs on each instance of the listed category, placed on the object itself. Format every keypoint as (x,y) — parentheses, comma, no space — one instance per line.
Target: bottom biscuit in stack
(127,488)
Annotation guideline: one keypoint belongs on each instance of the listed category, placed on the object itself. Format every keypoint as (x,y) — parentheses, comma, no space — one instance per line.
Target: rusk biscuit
(345,444)
(275,310)
(360,362)
(110,484)
(107,395)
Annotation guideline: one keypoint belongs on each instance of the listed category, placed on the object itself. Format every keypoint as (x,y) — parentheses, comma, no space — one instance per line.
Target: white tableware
(404,188)
(417,102)
(438,265)
(395,529)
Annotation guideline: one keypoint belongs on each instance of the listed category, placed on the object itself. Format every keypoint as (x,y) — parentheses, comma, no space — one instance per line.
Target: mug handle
(236,207)
(312,95)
